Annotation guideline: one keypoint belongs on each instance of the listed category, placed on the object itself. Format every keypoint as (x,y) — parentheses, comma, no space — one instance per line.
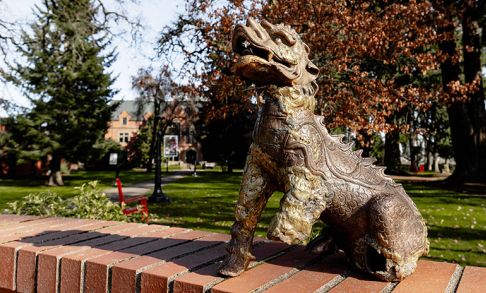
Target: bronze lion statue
(368,216)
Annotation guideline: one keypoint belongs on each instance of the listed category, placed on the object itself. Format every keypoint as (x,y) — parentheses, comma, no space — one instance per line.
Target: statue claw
(234,265)
(322,245)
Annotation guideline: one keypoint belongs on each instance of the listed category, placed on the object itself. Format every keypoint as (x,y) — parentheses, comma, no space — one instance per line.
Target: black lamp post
(113,161)
(158,195)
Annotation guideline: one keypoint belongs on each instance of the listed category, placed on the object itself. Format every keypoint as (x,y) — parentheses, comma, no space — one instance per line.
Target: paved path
(418,178)
(145,187)
(478,188)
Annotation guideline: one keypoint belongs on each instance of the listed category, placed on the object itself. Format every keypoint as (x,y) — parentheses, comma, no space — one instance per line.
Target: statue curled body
(369,217)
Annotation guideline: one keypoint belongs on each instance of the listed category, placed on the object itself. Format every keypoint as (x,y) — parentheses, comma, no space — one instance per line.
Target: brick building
(126,121)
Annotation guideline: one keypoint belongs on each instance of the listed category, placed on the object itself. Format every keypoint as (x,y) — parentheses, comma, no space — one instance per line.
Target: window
(125,121)
(123,137)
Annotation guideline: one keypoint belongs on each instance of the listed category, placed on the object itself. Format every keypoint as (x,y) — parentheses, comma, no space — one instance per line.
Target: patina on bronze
(369,217)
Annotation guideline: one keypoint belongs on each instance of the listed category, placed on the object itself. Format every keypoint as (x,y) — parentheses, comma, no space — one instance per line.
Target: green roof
(131,107)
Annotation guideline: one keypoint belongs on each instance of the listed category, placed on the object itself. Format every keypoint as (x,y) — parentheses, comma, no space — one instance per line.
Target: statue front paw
(233,265)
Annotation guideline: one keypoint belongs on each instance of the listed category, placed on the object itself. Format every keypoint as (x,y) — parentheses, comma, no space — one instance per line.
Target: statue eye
(285,37)
(290,40)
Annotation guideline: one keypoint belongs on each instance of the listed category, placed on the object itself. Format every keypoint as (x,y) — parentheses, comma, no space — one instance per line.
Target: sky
(153,15)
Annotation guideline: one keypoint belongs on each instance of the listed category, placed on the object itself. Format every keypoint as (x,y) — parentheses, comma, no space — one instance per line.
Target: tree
(464,93)
(139,147)
(468,120)
(228,107)
(153,90)
(6,31)
(374,58)
(437,136)
(63,73)
(171,103)
(7,144)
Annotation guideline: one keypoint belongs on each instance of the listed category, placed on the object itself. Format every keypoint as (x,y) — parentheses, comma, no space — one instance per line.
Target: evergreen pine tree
(63,73)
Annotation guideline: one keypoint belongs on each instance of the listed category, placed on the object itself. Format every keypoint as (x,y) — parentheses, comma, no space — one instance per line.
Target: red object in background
(141,200)
(421,168)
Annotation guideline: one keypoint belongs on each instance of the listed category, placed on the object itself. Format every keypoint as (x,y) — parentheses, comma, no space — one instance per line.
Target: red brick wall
(65,255)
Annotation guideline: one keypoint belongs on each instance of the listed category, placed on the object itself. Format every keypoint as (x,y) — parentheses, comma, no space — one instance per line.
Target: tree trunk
(55,176)
(436,163)
(468,119)
(431,139)
(446,168)
(12,165)
(413,157)
(365,145)
(429,163)
(392,152)
(149,163)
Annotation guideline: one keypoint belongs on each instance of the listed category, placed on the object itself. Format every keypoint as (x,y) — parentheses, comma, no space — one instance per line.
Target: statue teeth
(247,52)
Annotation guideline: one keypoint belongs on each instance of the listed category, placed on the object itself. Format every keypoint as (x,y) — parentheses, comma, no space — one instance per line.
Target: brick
(48,260)
(159,277)
(124,275)
(73,266)
(202,279)
(266,250)
(46,232)
(59,252)
(358,282)
(473,280)
(10,219)
(97,269)
(430,276)
(7,254)
(314,277)
(8,251)
(260,276)
(27,254)
(34,228)
(198,281)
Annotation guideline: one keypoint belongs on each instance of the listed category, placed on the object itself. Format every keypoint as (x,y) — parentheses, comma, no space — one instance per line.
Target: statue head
(272,54)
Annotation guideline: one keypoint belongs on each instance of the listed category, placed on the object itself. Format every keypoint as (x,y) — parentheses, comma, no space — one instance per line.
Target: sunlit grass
(456,221)
(207,202)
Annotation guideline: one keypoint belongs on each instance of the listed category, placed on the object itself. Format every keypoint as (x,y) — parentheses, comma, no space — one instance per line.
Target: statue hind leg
(393,253)
(255,190)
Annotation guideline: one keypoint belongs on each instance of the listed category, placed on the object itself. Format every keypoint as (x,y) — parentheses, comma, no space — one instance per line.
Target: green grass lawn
(206,202)
(14,189)
(456,221)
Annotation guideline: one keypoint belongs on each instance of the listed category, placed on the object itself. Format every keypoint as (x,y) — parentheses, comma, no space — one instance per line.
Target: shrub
(38,204)
(89,202)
